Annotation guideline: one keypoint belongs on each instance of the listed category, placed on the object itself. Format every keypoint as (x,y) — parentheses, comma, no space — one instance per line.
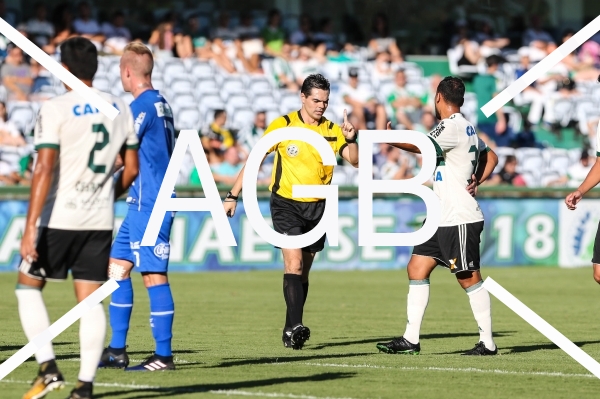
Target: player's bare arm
(42,178)
(130,170)
(591,181)
(350,153)
(404,146)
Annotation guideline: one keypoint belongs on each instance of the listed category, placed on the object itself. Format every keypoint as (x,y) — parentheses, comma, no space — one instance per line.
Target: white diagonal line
(57,70)
(58,327)
(542,326)
(542,67)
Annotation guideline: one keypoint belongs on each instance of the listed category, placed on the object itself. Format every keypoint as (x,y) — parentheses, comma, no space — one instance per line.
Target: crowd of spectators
(373,95)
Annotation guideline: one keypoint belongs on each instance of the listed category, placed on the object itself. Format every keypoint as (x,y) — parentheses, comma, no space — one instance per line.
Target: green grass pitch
(227,339)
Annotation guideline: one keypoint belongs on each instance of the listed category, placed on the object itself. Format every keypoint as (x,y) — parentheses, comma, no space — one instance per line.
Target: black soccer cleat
(83,390)
(399,346)
(114,359)
(48,379)
(481,350)
(299,336)
(286,338)
(154,363)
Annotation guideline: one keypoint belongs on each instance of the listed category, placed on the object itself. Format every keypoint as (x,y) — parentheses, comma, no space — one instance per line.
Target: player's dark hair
(219,112)
(452,90)
(80,56)
(315,81)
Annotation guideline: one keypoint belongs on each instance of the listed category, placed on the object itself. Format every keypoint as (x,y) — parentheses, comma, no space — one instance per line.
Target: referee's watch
(230,196)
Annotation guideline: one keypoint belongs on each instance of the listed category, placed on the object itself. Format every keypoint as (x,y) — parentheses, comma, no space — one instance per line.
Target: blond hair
(134,53)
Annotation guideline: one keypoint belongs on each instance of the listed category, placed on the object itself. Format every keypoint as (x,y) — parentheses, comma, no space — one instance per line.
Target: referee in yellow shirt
(298,163)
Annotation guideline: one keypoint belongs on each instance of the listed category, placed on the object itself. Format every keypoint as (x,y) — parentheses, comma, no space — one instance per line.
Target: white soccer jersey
(82,190)
(458,148)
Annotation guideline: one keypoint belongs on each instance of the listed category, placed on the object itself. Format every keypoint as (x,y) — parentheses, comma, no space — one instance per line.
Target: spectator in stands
(250,45)
(381,40)
(9,133)
(427,124)
(531,95)
(86,26)
(222,31)
(485,87)
(10,16)
(167,41)
(216,138)
(405,105)
(489,43)
(537,39)
(199,36)
(576,173)
(370,114)
(382,69)
(526,138)
(16,74)
(227,171)
(304,34)
(62,18)
(273,34)
(116,33)
(508,174)
(326,35)
(282,69)
(249,136)
(307,63)
(396,166)
(463,42)
(39,29)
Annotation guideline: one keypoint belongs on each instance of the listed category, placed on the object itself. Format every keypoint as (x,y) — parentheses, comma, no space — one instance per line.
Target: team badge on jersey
(138,121)
(292,150)
(162,251)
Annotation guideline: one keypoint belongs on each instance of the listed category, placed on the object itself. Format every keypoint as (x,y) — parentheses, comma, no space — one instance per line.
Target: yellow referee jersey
(299,163)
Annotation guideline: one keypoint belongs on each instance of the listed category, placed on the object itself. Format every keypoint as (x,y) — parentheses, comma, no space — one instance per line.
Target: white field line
(444,369)
(226,392)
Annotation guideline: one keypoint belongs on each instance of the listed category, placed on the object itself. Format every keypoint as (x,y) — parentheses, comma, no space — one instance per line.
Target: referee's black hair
(80,56)
(315,81)
(452,90)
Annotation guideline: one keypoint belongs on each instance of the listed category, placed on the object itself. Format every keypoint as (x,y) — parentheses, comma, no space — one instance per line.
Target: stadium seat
(237,101)
(232,86)
(549,177)
(529,160)
(263,102)
(586,108)
(182,100)
(187,118)
(174,70)
(532,180)
(259,86)
(202,70)
(180,86)
(272,115)
(289,103)
(243,117)
(563,111)
(23,115)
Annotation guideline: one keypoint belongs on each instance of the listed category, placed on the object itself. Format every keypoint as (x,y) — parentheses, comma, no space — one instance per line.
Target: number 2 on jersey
(99,146)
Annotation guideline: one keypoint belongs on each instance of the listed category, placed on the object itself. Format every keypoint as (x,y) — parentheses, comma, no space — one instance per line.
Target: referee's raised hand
(348,129)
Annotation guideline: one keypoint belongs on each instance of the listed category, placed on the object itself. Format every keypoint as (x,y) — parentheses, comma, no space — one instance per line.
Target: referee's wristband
(230,197)
(352,141)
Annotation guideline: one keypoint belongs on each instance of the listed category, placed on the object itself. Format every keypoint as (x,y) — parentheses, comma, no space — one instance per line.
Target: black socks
(295,296)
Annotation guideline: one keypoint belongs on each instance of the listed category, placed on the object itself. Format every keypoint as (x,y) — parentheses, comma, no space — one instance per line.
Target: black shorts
(455,247)
(85,253)
(294,218)
(596,258)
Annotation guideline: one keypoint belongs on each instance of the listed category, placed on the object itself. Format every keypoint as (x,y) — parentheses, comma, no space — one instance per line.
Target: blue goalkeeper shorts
(127,243)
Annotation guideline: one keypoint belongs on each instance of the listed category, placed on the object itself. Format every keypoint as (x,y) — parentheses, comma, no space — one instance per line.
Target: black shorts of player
(454,247)
(596,256)
(85,253)
(294,218)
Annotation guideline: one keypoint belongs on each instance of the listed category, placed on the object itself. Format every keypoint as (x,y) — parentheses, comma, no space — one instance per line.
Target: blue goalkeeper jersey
(154,127)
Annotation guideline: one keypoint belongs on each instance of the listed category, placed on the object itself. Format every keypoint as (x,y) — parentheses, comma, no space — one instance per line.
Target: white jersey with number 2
(82,189)
(458,147)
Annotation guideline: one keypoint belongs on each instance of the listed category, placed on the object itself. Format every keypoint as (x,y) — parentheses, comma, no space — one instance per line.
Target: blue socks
(162,311)
(120,308)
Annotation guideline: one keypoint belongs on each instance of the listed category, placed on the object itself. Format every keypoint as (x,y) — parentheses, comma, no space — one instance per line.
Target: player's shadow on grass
(285,359)
(538,347)
(149,393)
(425,336)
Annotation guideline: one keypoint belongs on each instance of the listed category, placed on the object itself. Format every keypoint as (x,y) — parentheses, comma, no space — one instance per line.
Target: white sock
(92,331)
(481,305)
(418,298)
(34,319)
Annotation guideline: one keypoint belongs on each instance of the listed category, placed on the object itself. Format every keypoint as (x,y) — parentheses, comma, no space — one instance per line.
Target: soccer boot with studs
(154,363)
(114,358)
(399,346)
(300,334)
(481,350)
(48,379)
